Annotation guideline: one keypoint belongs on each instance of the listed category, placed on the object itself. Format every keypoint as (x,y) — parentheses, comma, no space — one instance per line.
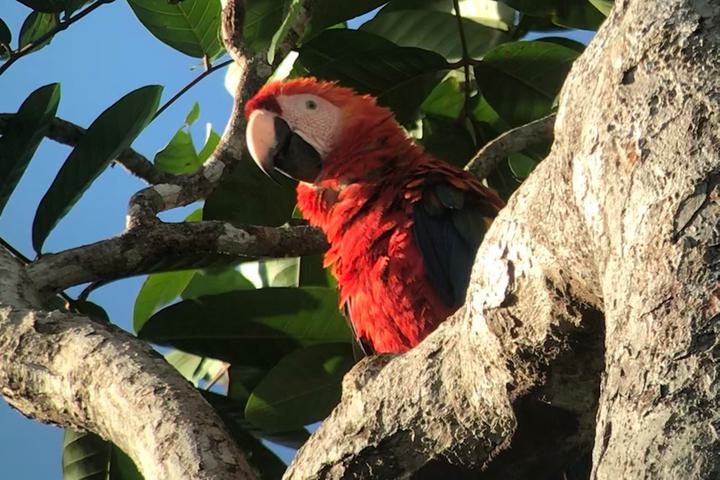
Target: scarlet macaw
(403,227)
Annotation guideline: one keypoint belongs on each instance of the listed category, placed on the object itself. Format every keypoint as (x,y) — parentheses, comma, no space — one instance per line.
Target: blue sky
(96,61)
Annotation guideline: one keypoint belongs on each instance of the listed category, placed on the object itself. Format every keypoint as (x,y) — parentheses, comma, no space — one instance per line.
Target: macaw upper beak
(275,147)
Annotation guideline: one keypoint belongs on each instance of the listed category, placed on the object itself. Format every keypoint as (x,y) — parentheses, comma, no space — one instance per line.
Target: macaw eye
(311,105)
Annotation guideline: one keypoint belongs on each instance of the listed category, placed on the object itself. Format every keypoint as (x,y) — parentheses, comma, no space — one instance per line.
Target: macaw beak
(276,148)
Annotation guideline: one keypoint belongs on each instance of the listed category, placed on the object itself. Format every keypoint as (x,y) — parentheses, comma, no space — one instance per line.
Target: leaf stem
(208,70)
(15,55)
(466,60)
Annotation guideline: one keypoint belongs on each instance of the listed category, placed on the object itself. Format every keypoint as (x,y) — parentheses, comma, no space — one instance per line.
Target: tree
(590,322)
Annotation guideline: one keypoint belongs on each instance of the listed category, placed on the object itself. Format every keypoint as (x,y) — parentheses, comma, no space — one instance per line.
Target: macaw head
(300,126)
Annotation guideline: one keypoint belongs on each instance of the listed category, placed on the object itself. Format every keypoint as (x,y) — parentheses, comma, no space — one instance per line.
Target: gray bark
(66,369)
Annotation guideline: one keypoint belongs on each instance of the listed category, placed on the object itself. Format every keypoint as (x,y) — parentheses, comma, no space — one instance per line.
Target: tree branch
(170,246)
(68,370)
(514,140)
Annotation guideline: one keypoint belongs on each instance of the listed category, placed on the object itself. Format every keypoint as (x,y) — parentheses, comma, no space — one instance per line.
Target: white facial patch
(313,118)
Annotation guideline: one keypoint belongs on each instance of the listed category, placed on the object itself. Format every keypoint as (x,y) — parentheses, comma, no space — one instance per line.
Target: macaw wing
(449,224)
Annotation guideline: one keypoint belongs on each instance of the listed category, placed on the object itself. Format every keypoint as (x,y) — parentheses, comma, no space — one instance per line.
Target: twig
(70,134)
(15,55)
(465,59)
(193,82)
(488,158)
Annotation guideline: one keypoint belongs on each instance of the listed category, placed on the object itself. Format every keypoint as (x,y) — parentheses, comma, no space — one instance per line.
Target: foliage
(273,324)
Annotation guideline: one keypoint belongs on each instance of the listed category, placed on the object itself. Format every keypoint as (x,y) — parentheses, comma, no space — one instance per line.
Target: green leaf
(281,33)
(280,272)
(447,140)
(302,388)
(433,30)
(265,463)
(312,272)
(262,20)
(23,134)
(190,26)
(521,80)
(5,39)
(179,155)
(112,132)
(212,139)
(47,6)
(605,6)
(35,26)
(71,6)
(400,77)
(246,195)
(250,327)
(193,114)
(564,13)
(86,456)
(158,290)
(186,364)
(521,165)
(446,100)
(327,13)
(214,282)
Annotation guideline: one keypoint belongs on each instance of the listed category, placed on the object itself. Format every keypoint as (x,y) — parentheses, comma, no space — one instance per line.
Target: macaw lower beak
(276,148)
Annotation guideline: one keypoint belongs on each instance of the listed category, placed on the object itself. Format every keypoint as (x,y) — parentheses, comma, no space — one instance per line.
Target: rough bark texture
(66,369)
(646,178)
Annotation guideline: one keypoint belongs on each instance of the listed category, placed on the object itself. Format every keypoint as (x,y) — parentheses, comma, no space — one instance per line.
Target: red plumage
(392,215)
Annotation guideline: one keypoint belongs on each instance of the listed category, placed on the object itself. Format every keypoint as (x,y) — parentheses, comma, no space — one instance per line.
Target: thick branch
(512,141)
(162,246)
(66,369)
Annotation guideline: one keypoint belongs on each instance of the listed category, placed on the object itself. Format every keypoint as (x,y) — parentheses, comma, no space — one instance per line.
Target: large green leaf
(179,155)
(521,80)
(111,133)
(86,456)
(327,13)
(262,20)
(35,26)
(158,290)
(215,281)
(290,18)
(400,77)
(48,6)
(248,196)
(23,135)
(265,463)
(190,26)
(302,388)
(565,13)
(433,26)
(250,327)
